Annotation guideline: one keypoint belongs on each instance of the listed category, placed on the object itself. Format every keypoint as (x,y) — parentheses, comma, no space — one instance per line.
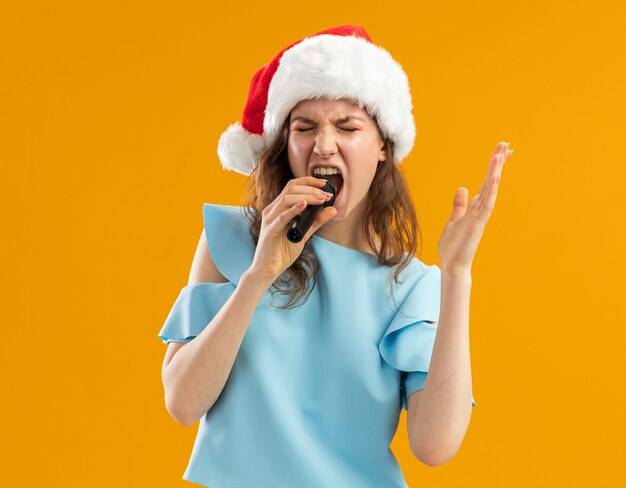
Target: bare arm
(194,374)
(438,415)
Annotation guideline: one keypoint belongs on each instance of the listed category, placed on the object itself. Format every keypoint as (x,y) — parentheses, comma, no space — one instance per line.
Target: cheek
(296,155)
(295,149)
(364,151)
(361,145)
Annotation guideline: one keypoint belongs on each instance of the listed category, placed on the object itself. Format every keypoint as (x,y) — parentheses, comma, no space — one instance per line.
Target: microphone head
(301,223)
(329,188)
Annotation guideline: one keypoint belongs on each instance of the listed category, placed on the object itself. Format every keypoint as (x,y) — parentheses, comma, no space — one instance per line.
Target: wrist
(253,276)
(456,274)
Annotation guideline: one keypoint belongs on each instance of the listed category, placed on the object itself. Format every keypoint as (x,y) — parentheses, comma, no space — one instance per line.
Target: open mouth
(336,181)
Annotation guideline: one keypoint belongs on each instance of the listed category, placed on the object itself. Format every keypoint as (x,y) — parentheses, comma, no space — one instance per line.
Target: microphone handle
(302,222)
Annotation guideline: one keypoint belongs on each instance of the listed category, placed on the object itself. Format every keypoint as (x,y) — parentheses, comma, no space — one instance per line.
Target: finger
(505,153)
(500,150)
(284,218)
(304,190)
(486,208)
(308,181)
(500,147)
(495,161)
(487,198)
(289,200)
(304,185)
(459,204)
(497,170)
(307,185)
(500,154)
(487,185)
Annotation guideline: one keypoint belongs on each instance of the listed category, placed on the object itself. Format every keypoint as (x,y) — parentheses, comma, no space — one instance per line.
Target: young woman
(298,357)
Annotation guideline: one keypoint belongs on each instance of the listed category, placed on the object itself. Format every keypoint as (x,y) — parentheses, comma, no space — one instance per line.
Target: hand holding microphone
(299,210)
(301,222)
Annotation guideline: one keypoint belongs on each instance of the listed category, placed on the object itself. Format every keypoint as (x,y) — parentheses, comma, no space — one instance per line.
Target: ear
(382,154)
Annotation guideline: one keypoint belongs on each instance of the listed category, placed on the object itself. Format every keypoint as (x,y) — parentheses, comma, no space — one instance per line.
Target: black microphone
(301,222)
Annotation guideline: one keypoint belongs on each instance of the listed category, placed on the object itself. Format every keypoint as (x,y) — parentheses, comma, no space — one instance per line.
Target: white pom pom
(239,150)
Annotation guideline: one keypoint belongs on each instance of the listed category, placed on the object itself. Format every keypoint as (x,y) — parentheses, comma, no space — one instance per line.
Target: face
(336,133)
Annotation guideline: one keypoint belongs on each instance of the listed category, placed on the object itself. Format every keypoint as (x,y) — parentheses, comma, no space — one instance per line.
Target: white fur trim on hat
(328,66)
(239,150)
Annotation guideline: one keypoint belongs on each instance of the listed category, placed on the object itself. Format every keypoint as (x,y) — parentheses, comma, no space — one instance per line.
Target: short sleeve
(194,308)
(408,342)
(412,382)
(232,251)
(229,239)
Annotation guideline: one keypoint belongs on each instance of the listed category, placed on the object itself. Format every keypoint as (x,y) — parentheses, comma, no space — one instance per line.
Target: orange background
(110,117)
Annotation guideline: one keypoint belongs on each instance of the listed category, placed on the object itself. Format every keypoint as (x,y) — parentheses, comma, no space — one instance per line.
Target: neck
(348,232)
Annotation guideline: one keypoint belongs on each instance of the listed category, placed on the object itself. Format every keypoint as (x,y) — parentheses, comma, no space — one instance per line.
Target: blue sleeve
(232,251)
(194,308)
(414,381)
(408,342)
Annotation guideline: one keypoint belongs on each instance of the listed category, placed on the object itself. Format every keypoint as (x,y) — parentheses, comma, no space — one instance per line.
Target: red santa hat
(341,62)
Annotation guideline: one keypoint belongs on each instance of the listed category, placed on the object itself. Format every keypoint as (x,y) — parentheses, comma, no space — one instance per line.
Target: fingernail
(328,194)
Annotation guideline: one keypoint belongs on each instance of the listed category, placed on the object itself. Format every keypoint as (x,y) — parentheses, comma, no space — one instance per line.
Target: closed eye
(340,128)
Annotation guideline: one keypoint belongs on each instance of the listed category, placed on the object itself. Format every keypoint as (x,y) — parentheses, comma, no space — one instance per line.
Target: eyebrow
(312,122)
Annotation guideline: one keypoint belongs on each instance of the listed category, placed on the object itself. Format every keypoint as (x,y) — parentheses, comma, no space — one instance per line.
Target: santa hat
(341,62)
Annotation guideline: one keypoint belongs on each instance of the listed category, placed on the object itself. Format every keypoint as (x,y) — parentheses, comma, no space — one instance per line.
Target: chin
(341,215)
(337,218)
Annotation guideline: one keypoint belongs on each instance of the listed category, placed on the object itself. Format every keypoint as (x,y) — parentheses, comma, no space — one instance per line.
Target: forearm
(198,372)
(444,408)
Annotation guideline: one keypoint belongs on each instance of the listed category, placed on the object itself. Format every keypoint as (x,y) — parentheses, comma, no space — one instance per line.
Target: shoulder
(417,270)
(227,240)
(215,215)
(203,267)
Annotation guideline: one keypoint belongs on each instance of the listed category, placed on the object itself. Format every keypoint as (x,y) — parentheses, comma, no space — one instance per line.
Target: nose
(325,145)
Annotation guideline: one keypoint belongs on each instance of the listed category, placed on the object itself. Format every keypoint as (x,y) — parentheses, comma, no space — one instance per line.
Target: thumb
(324,216)
(459,206)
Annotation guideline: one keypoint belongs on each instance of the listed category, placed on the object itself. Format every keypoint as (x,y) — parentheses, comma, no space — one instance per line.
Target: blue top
(315,393)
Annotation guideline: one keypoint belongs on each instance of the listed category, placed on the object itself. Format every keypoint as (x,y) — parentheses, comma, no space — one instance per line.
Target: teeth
(326,171)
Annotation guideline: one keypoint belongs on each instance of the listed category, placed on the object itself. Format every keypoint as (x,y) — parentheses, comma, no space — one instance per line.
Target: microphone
(301,222)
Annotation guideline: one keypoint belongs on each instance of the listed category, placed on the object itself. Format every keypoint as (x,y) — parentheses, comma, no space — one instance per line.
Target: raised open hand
(461,235)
